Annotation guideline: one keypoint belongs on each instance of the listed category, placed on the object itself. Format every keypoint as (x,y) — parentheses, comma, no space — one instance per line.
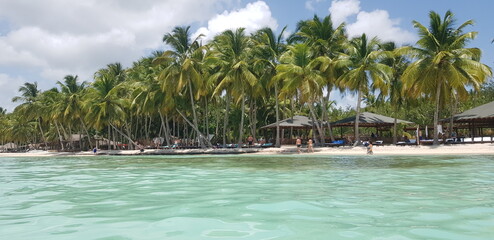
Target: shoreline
(457,149)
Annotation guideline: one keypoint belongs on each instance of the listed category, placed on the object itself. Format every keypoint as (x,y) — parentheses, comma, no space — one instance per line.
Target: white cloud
(254,16)
(309,5)
(46,40)
(340,10)
(375,24)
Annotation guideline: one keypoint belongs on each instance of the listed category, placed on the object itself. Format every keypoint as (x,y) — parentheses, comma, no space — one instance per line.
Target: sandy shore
(459,149)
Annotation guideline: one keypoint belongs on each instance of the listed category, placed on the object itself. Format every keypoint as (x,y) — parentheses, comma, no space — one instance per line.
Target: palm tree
(73,92)
(148,96)
(104,103)
(327,44)
(184,71)
(268,50)
(443,63)
(233,52)
(300,75)
(363,56)
(398,64)
(30,106)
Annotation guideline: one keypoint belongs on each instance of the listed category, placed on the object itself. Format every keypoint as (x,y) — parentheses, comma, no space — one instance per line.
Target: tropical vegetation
(222,91)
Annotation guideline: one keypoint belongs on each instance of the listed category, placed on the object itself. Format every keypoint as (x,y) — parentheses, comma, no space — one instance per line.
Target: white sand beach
(457,149)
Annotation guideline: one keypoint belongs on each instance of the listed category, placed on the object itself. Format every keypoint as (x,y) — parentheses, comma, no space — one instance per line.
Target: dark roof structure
(295,122)
(368,119)
(483,113)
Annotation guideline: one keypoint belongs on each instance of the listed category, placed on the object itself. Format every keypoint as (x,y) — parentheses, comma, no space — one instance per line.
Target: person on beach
(369,148)
(310,146)
(299,144)
(95,150)
(250,140)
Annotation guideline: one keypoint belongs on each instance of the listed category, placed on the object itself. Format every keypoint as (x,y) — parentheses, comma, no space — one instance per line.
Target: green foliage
(184,89)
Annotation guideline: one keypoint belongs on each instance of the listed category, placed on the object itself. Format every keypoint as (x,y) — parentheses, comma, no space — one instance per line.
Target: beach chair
(335,143)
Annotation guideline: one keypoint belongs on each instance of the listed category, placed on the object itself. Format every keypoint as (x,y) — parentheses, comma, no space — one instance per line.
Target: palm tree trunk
(217,129)
(453,112)
(357,118)
(146,127)
(194,116)
(42,133)
(326,101)
(123,134)
(167,124)
(251,118)
(241,126)
(59,135)
(436,114)
(114,140)
(128,128)
(163,125)
(87,133)
(278,143)
(206,116)
(314,120)
(71,142)
(225,122)
(149,126)
(395,126)
(194,127)
(109,136)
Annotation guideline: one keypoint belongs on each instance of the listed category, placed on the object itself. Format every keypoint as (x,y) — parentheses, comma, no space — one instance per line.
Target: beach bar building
(369,120)
(478,123)
(296,125)
(301,125)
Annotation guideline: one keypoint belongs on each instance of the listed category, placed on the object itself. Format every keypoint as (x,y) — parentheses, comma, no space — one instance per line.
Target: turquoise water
(247,197)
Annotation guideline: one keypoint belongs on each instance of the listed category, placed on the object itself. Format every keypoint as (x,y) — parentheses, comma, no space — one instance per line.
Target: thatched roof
(481,113)
(368,119)
(295,122)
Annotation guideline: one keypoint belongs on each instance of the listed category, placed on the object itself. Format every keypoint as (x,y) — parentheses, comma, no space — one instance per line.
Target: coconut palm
(148,95)
(233,54)
(326,42)
(365,71)
(184,71)
(268,50)
(398,64)
(443,65)
(104,103)
(30,107)
(300,76)
(73,92)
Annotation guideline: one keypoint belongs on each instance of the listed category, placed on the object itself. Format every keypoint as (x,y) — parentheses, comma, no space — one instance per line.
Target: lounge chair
(267,145)
(407,143)
(335,143)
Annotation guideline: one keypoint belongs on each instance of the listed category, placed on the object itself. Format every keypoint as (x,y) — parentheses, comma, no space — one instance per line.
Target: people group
(310,145)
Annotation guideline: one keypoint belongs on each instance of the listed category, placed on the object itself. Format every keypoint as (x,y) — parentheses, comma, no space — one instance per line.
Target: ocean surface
(247,197)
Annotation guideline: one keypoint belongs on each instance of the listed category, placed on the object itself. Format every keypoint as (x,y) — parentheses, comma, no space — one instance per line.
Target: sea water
(247,197)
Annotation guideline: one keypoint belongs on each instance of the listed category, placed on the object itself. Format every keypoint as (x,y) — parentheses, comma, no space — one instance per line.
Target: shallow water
(247,197)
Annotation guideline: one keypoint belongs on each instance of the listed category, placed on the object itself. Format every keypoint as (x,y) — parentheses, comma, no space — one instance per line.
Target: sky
(44,41)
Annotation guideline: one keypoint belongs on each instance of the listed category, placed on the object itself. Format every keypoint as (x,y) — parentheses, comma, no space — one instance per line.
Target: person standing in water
(310,146)
(369,148)
(299,144)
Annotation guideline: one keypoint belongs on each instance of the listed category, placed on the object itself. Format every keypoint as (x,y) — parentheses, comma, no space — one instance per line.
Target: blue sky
(39,42)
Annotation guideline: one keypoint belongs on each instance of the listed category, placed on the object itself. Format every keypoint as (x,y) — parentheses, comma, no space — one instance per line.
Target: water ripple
(247,197)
